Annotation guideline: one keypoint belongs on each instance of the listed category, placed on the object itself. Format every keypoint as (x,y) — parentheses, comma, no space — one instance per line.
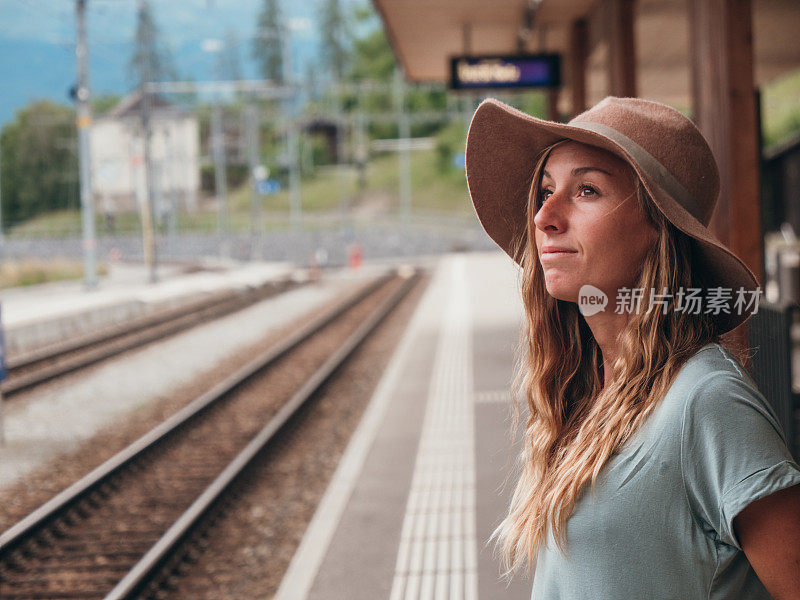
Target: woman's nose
(550,213)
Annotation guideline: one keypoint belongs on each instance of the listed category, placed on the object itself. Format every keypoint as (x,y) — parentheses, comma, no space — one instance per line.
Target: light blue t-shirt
(660,523)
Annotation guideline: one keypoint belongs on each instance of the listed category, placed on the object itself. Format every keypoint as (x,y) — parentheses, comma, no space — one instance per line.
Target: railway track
(28,370)
(121,531)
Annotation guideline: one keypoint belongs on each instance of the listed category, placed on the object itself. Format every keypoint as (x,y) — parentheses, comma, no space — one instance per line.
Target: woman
(651,467)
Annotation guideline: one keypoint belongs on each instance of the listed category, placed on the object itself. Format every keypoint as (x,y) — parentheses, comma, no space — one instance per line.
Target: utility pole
(403,132)
(220,178)
(295,208)
(253,160)
(2,235)
(84,122)
(362,149)
(341,176)
(174,183)
(148,228)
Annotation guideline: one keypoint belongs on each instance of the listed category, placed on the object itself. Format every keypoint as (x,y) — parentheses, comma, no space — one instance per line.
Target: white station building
(117,157)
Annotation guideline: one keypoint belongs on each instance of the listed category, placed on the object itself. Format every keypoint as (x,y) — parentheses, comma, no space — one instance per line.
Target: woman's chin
(562,292)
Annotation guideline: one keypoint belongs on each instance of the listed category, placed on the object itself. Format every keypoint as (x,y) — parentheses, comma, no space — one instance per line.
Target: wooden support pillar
(578,54)
(552,103)
(621,48)
(724,97)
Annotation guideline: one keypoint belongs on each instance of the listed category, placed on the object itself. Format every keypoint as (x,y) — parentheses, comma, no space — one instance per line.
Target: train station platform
(419,489)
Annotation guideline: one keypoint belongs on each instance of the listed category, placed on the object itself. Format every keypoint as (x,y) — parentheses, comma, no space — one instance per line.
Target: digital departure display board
(507,71)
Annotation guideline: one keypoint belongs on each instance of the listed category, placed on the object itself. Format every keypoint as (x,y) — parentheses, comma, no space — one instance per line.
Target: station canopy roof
(424,34)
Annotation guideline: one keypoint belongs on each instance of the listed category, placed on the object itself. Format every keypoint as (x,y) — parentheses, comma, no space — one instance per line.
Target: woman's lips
(555,254)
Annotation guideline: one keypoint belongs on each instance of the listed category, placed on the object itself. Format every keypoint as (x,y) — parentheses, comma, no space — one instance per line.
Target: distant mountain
(37,58)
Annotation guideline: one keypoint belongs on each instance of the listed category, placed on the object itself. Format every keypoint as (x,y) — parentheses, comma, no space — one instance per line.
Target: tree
(373,58)
(38,159)
(268,44)
(152,59)
(335,45)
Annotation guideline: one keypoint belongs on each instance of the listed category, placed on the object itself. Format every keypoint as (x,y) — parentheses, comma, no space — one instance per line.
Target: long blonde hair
(574,424)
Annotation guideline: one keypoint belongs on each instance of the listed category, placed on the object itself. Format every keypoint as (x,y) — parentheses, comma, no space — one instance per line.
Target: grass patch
(68,222)
(430,187)
(33,271)
(49,224)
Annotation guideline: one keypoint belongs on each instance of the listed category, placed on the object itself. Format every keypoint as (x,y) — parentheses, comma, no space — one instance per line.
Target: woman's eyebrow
(579,170)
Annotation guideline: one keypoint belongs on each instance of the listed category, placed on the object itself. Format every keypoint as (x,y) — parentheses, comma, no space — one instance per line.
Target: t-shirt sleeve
(733,452)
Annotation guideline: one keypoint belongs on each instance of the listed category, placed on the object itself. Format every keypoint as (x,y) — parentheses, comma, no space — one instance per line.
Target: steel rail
(51,351)
(181,318)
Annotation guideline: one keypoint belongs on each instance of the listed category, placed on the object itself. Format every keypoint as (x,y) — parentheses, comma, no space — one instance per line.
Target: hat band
(648,163)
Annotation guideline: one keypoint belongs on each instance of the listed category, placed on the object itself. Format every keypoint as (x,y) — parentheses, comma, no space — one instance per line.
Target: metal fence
(773,332)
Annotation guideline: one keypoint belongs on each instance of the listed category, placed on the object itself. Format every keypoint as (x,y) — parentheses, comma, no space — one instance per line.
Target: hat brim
(503,144)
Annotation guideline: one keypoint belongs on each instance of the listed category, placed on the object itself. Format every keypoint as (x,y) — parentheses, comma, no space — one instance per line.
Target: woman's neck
(606,329)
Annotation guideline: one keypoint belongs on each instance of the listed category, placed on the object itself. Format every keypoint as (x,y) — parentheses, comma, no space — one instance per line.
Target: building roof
(130,105)
(426,33)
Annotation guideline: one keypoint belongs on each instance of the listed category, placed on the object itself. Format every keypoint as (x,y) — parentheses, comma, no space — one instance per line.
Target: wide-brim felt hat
(664,147)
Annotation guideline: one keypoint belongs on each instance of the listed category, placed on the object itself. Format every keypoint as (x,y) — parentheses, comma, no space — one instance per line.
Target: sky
(37,41)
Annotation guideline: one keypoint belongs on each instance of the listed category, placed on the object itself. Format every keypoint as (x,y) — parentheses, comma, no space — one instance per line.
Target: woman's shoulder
(702,375)
(714,388)
(713,366)
(710,384)
(712,358)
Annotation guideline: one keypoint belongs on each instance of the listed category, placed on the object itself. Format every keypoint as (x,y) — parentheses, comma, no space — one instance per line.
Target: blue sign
(505,71)
(460,160)
(268,186)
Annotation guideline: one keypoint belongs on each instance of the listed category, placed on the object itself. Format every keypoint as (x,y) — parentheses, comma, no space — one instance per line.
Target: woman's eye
(545,194)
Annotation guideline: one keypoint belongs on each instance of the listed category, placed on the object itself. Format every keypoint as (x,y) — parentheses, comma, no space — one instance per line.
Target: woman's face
(587,205)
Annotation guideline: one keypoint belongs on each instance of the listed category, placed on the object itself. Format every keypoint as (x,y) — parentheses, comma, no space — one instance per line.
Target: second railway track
(30,369)
(110,533)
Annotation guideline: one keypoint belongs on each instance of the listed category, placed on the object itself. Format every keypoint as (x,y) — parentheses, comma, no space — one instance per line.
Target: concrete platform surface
(419,489)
